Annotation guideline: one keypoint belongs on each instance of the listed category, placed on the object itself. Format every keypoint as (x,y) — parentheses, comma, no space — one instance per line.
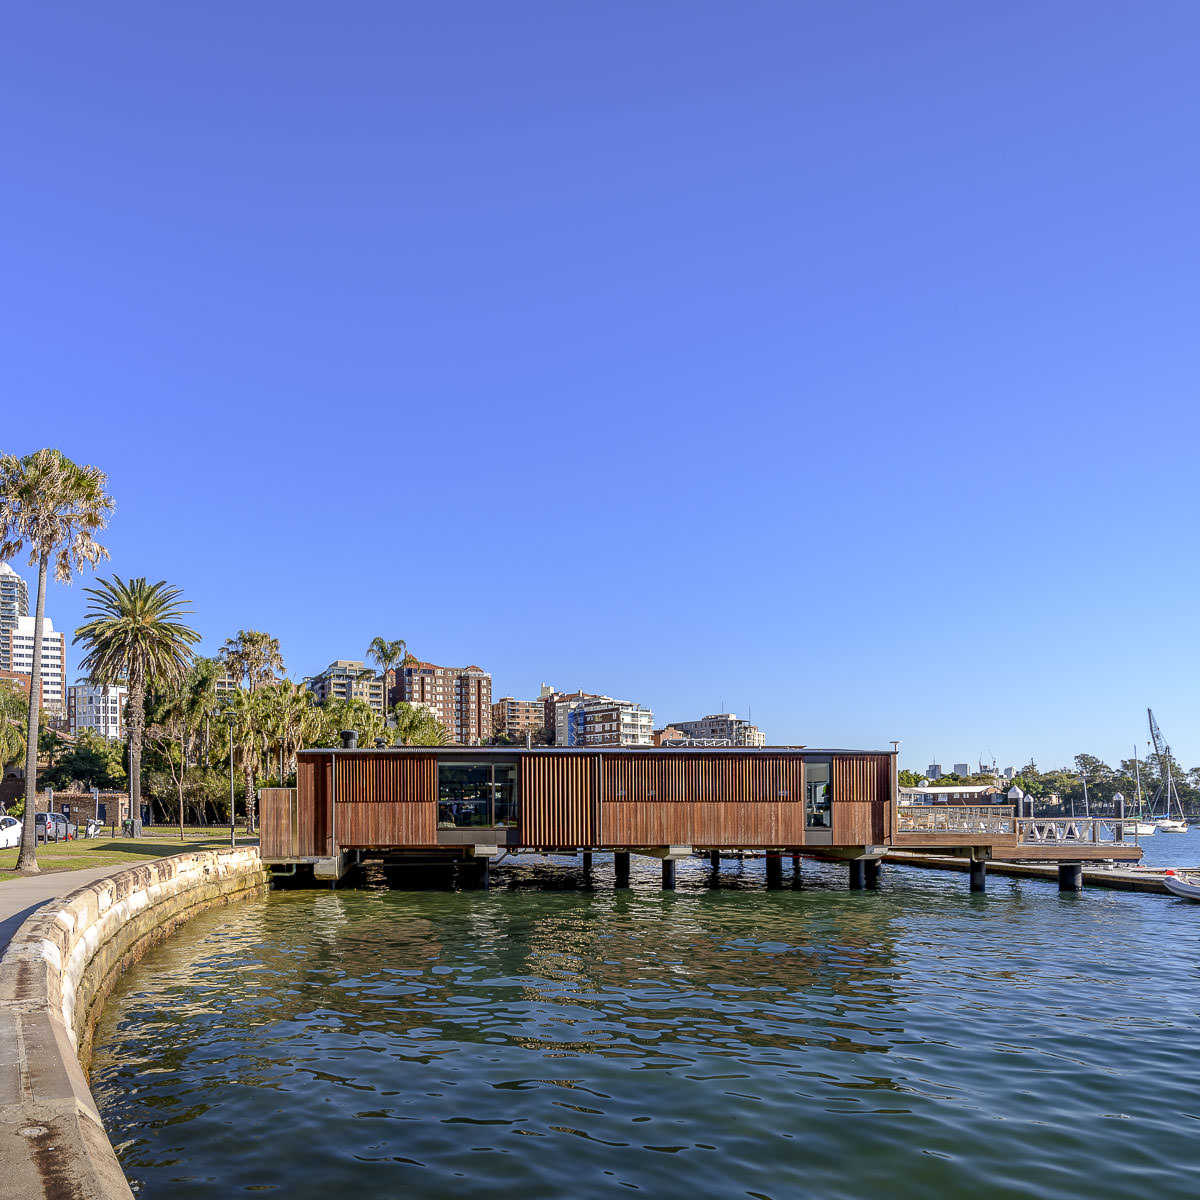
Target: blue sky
(836,362)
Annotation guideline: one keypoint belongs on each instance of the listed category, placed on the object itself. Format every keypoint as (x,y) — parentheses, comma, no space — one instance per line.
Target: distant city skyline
(831,365)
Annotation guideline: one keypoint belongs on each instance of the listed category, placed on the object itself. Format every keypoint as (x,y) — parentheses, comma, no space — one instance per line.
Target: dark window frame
(502,798)
(818,805)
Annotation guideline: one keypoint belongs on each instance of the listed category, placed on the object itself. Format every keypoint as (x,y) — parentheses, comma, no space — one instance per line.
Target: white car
(10,832)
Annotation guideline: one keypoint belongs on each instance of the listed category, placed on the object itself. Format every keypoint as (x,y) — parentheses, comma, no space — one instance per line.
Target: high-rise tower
(14,604)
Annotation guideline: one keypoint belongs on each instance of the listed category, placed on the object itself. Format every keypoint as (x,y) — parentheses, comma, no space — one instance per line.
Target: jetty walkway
(1120,877)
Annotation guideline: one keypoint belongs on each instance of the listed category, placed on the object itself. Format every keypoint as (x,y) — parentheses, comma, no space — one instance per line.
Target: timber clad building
(426,797)
(457,803)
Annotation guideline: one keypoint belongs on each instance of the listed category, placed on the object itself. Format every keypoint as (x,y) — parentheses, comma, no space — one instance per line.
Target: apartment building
(670,736)
(723,729)
(348,679)
(552,702)
(226,683)
(515,718)
(15,679)
(460,697)
(586,720)
(18,653)
(99,707)
(14,604)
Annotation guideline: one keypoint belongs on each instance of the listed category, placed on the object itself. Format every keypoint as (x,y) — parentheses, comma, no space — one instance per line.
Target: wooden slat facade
(312,805)
(277,826)
(677,798)
(559,800)
(386,801)
(862,791)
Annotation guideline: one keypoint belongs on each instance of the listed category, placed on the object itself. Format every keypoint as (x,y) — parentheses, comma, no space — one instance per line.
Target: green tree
(14,720)
(253,656)
(167,731)
(91,762)
(909,779)
(200,701)
(386,655)
(54,507)
(330,718)
(417,726)
(135,635)
(288,716)
(246,709)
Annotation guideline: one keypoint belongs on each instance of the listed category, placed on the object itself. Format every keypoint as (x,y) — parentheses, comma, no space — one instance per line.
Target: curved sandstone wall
(54,976)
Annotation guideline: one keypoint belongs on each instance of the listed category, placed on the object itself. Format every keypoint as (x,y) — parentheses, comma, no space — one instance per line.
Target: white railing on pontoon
(995,819)
(1053,831)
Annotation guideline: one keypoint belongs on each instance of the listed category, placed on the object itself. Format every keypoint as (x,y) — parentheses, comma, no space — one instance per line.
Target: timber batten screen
(560,800)
(386,801)
(862,789)
(752,799)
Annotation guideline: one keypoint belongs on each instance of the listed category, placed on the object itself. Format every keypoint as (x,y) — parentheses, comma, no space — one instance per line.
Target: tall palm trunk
(27,859)
(249,773)
(182,774)
(137,726)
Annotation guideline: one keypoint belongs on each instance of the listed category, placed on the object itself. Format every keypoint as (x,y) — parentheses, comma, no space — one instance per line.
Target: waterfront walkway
(21,898)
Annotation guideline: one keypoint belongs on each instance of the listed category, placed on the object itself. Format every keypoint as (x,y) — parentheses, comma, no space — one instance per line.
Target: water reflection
(532,1042)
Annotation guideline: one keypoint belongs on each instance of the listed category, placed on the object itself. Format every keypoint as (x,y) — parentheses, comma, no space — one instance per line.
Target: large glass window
(818,792)
(477,795)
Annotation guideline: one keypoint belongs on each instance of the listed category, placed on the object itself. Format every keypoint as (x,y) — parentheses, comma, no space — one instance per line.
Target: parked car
(55,825)
(10,832)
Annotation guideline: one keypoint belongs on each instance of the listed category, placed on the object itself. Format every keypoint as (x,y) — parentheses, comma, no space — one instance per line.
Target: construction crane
(1166,783)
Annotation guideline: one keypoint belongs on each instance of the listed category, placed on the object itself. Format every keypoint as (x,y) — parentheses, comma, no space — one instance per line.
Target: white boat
(1186,886)
(1166,788)
(1142,825)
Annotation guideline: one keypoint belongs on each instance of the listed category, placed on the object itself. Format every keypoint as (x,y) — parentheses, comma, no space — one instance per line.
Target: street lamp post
(232,830)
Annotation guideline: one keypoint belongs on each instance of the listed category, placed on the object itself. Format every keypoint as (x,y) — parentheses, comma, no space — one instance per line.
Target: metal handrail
(992,819)
(1053,831)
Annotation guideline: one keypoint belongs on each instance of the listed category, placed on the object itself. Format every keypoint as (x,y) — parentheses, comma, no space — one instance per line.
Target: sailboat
(1166,823)
(1142,825)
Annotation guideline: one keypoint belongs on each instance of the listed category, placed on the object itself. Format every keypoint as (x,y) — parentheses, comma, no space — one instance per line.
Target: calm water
(562,1042)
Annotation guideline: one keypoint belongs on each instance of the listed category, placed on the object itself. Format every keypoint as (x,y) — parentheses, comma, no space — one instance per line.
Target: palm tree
(288,717)
(167,728)
(14,715)
(386,655)
(333,716)
(417,726)
(254,656)
(201,700)
(55,507)
(134,635)
(247,710)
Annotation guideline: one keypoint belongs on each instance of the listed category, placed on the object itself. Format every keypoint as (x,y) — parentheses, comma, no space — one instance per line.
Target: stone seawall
(54,977)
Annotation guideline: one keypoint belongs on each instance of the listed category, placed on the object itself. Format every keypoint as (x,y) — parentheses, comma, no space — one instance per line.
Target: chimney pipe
(349,739)
(528,740)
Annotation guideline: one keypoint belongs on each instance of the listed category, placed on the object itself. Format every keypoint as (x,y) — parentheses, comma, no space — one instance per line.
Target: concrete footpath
(20,898)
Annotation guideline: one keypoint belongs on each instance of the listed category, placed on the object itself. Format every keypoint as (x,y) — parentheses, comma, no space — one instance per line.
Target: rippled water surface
(541,1041)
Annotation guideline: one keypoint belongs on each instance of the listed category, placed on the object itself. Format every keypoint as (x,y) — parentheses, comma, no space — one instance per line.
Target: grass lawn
(100,851)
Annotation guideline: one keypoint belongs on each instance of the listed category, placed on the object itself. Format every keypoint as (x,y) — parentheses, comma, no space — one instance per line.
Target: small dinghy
(1186,886)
